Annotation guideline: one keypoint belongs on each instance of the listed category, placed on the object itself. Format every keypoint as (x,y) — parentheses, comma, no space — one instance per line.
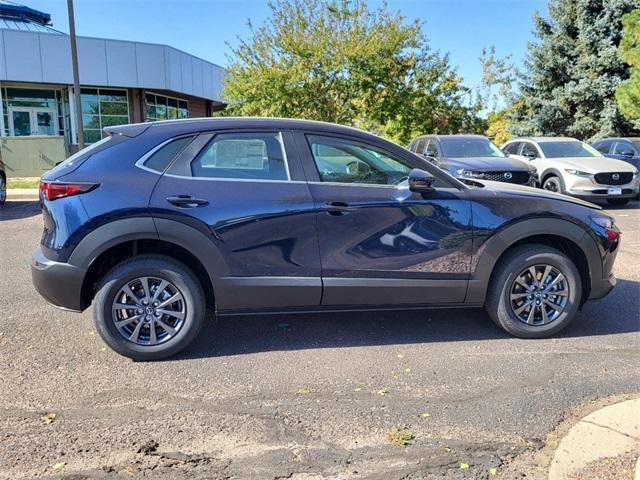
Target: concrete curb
(608,432)
(22,194)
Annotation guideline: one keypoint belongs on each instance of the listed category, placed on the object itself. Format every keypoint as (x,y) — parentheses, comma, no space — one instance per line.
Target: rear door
(247,193)
(381,244)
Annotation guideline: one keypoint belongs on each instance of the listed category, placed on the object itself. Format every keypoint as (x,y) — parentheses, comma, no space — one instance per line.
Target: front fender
(488,254)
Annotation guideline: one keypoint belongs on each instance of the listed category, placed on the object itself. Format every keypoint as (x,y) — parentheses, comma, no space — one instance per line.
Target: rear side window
(162,158)
(243,156)
(431,150)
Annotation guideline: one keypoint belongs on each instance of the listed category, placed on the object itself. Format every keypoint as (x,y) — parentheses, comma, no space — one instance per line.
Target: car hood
(485,163)
(531,192)
(594,164)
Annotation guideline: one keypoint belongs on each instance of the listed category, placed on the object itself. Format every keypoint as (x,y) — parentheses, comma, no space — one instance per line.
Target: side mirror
(420,181)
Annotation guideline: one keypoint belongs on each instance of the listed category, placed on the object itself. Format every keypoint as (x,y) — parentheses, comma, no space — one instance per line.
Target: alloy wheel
(148,311)
(539,295)
(552,185)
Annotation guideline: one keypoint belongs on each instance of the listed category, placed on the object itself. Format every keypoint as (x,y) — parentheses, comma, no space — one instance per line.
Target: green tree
(572,71)
(628,92)
(340,62)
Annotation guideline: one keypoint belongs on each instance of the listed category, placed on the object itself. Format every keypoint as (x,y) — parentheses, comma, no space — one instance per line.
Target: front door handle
(187,201)
(339,208)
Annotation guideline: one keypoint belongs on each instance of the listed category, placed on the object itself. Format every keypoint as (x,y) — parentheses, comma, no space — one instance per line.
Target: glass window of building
(102,108)
(34,111)
(161,107)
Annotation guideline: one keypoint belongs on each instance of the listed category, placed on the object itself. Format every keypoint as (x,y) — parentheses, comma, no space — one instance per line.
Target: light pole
(76,75)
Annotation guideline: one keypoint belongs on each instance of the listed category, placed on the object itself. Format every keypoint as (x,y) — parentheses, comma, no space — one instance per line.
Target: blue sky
(201,27)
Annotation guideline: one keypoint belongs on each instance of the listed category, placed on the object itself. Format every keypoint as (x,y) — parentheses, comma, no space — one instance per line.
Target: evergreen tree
(572,71)
(628,92)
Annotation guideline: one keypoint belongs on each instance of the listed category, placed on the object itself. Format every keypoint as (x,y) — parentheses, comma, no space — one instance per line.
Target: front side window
(624,148)
(512,148)
(562,149)
(603,147)
(432,149)
(529,151)
(102,108)
(347,161)
(469,147)
(244,156)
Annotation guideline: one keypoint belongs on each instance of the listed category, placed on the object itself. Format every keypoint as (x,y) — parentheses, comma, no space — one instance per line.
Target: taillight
(55,190)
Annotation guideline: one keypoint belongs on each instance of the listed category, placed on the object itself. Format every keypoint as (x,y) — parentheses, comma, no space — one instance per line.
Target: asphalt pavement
(301,396)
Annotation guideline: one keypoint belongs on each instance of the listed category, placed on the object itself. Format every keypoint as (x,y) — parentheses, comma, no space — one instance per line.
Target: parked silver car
(569,166)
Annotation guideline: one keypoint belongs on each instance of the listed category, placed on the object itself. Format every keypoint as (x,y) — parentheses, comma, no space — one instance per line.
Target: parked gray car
(473,157)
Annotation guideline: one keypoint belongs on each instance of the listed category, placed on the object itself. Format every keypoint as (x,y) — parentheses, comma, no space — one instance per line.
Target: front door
(381,244)
(251,200)
(25,121)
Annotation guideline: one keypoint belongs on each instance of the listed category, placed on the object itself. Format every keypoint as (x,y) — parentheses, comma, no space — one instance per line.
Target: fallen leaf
(382,392)
(464,466)
(357,389)
(400,355)
(425,415)
(48,418)
(306,390)
(103,349)
(407,370)
(493,471)
(400,437)
(91,333)
(58,466)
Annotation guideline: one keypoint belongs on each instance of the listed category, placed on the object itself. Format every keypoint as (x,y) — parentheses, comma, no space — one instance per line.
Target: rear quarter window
(161,158)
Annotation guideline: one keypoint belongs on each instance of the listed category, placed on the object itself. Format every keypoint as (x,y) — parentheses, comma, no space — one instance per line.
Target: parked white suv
(569,166)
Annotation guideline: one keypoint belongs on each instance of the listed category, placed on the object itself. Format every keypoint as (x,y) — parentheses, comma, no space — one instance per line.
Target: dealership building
(121,82)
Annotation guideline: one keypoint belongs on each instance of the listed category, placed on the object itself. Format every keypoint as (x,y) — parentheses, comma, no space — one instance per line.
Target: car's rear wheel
(553,184)
(535,292)
(149,308)
(617,202)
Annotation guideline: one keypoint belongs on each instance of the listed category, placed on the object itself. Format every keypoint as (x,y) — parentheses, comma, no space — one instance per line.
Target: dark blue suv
(158,222)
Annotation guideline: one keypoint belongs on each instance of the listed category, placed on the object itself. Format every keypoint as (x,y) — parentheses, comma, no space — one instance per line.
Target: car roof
(201,124)
(460,136)
(544,139)
(608,139)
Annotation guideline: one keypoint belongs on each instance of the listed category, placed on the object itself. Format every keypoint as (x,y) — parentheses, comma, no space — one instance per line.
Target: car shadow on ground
(16,210)
(618,313)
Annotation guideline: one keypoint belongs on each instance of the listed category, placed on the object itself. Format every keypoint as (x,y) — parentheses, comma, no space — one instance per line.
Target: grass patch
(400,437)
(24,182)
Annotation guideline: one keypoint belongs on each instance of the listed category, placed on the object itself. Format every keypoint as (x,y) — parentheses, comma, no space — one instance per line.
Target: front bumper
(588,189)
(602,193)
(600,288)
(59,283)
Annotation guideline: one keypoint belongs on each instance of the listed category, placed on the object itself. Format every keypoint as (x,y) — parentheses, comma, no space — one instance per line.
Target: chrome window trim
(222,179)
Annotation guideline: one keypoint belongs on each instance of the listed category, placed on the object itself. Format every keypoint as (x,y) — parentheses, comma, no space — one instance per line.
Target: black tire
(553,184)
(3,190)
(618,202)
(157,267)
(498,302)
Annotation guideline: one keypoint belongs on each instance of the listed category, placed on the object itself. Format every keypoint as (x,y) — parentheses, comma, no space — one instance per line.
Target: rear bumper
(60,284)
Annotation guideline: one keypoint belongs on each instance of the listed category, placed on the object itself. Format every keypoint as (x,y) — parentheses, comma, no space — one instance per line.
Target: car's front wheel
(149,307)
(617,202)
(535,291)
(553,184)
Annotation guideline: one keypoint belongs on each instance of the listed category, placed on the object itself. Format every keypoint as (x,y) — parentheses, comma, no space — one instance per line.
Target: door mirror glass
(420,181)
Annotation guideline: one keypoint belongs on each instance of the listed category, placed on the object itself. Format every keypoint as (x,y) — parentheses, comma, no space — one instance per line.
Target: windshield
(568,149)
(469,147)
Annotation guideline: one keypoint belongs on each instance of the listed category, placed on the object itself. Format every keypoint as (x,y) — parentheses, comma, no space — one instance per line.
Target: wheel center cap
(149,310)
(537,294)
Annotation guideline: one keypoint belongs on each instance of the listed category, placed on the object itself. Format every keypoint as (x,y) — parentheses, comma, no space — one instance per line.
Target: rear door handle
(339,208)
(187,201)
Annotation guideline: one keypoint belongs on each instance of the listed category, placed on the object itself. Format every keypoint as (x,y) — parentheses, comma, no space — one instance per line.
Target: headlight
(532,170)
(577,173)
(635,174)
(469,173)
